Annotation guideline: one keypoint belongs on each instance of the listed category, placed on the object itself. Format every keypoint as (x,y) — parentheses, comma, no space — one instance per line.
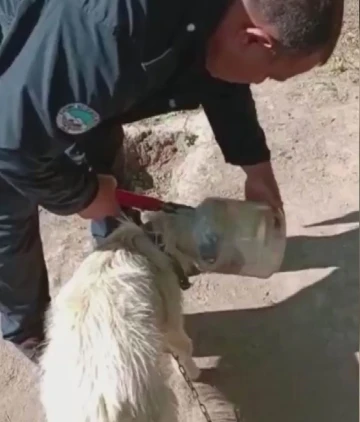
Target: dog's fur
(107,330)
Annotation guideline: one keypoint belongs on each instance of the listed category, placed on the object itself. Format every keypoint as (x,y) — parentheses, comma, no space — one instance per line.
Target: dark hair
(302,25)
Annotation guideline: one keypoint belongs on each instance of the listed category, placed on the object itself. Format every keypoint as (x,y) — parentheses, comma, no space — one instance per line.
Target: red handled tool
(128,199)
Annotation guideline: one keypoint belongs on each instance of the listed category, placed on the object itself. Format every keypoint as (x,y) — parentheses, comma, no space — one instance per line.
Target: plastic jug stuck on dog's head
(239,237)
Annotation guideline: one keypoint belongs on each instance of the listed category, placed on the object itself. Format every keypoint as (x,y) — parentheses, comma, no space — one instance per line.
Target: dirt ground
(284,349)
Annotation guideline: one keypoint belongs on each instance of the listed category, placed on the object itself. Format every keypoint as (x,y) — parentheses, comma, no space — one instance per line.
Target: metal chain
(195,394)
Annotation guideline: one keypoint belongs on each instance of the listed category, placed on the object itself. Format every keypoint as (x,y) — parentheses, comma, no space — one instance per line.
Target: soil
(151,156)
(277,350)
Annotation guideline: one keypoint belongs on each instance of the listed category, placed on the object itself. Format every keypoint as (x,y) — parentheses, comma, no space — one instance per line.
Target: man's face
(247,54)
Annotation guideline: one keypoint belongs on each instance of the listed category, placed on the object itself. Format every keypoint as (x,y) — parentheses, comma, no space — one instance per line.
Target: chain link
(196,396)
(193,390)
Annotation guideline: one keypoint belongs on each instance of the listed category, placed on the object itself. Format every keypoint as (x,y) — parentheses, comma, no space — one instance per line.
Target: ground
(285,349)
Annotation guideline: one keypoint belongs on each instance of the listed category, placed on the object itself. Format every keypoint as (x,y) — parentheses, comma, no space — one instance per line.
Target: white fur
(107,330)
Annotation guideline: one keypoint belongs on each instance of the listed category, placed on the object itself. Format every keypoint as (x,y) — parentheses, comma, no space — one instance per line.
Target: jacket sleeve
(71,72)
(231,112)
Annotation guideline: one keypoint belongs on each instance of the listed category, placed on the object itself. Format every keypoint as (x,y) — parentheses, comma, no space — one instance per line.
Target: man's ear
(258,36)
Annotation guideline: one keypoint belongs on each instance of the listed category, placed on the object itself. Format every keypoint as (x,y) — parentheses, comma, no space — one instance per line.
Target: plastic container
(238,237)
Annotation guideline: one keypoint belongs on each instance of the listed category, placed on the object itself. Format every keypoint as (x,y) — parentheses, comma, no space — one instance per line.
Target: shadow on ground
(293,362)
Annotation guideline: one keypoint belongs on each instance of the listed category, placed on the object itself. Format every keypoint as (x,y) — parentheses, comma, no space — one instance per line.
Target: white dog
(107,330)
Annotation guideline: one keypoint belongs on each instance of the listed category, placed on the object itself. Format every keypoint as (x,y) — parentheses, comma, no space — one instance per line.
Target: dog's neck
(162,235)
(181,264)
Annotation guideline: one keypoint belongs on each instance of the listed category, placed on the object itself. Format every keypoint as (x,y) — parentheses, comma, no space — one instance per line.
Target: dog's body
(106,332)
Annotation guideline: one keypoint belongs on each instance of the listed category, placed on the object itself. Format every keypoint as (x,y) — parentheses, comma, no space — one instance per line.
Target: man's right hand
(104,204)
(261,185)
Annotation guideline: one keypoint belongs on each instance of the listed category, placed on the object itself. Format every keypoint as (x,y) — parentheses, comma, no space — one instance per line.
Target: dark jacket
(66,66)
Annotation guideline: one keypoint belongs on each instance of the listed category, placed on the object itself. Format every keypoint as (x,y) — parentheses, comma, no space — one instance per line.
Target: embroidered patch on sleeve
(77,118)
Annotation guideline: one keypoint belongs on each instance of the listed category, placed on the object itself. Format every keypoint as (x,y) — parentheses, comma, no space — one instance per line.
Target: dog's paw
(192,369)
(189,366)
(195,373)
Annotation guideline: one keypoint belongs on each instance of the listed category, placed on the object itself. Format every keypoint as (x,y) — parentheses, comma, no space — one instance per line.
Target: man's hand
(261,185)
(104,204)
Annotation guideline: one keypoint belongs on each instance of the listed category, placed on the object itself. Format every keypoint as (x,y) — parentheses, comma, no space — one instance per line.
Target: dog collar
(156,238)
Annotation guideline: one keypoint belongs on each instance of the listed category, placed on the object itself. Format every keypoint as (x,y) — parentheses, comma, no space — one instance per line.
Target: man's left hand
(261,185)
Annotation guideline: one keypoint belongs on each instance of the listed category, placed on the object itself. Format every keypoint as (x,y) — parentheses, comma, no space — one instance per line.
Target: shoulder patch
(77,118)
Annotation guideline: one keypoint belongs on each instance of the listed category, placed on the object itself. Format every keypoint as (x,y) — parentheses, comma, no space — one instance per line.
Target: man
(72,71)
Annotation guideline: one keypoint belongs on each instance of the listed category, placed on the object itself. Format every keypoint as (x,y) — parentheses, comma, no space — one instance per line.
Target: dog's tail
(101,360)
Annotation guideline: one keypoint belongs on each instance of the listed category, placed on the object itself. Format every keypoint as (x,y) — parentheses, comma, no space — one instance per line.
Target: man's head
(277,39)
